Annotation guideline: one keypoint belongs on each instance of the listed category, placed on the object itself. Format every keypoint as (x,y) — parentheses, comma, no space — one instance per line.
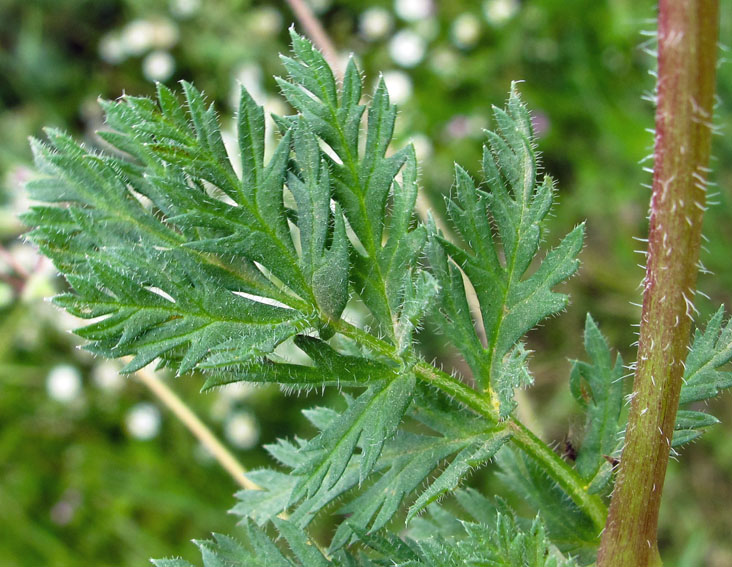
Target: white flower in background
(237,391)
(249,76)
(112,49)
(465,30)
(375,23)
(137,36)
(184,8)
(158,66)
(498,12)
(407,48)
(63,383)
(106,376)
(413,10)
(265,21)
(242,430)
(399,86)
(143,421)
(164,34)
(422,146)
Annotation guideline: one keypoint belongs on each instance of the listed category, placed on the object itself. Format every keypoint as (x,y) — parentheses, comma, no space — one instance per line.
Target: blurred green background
(93,472)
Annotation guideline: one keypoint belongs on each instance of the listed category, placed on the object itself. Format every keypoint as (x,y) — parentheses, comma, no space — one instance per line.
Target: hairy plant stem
(687,44)
(554,466)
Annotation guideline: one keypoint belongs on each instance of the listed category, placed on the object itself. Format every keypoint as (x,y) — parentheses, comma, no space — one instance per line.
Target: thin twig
(199,429)
(317,34)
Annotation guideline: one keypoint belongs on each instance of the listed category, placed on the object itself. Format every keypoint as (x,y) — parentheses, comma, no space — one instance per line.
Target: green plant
(255,270)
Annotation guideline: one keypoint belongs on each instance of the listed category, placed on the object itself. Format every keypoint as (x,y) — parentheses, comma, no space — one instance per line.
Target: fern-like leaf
(462,443)
(598,387)
(510,212)
(361,182)
(492,535)
(570,529)
(710,350)
(157,297)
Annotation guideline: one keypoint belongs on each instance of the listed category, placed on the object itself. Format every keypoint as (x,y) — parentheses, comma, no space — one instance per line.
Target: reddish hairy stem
(687,38)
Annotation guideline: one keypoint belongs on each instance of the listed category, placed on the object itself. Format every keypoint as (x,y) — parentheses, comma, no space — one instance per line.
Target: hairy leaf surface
(180,249)
(501,230)
(710,350)
(567,526)
(172,275)
(457,443)
(598,387)
(361,181)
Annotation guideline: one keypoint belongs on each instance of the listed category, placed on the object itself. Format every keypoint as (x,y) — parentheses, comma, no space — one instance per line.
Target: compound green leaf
(329,368)
(369,421)
(598,387)
(710,350)
(569,528)
(501,229)
(362,179)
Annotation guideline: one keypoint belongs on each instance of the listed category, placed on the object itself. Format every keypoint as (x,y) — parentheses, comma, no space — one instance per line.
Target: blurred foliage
(77,486)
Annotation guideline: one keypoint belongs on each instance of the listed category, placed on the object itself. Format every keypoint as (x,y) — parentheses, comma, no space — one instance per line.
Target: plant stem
(454,388)
(564,475)
(687,37)
(199,429)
